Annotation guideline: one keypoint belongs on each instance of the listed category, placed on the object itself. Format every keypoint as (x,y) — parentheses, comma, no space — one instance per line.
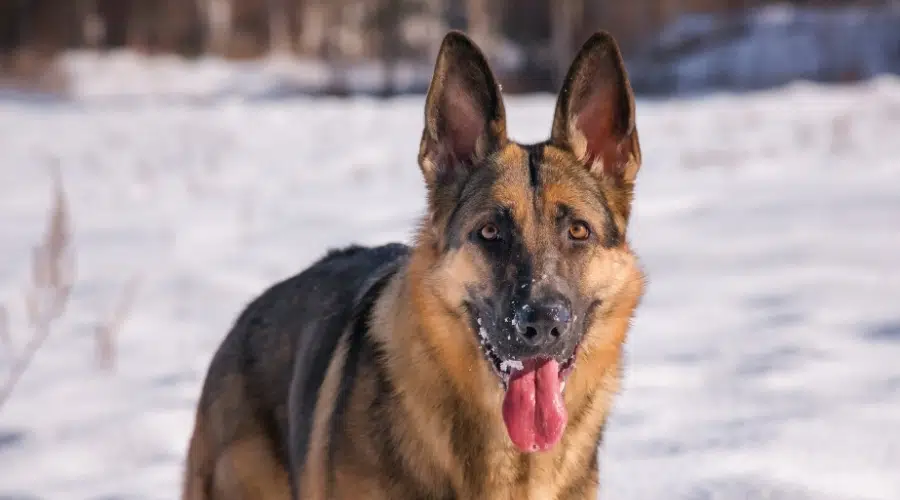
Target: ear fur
(465,119)
(595,115)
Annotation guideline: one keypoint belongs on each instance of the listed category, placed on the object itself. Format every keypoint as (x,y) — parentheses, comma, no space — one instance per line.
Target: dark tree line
(545,33)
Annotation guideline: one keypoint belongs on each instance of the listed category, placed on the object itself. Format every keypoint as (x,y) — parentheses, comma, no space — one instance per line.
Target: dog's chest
(513,476)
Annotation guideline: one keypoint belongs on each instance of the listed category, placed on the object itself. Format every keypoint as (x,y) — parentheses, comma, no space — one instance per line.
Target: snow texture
(763,363)
(127,76)
(511,364)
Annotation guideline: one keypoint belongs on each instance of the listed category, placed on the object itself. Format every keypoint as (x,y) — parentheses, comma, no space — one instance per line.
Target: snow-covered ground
(763,364)
(126,75)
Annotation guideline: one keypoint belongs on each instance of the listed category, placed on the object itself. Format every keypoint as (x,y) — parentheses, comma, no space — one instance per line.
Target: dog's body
(480,362)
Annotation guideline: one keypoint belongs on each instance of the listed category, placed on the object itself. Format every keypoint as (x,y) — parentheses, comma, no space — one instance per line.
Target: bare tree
(279,27)
(218,18)
(24,21)
(331,48)
(140,24)
(478,19)
(314,18)
(565,17)
(92,27)
(387,25)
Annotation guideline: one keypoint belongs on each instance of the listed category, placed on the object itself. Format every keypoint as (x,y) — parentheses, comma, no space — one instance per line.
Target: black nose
(542,323)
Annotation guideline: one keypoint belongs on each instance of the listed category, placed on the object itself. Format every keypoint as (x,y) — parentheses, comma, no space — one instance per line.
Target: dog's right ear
(465,120)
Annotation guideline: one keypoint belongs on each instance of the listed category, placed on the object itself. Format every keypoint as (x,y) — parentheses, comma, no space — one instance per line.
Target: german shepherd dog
(479,362)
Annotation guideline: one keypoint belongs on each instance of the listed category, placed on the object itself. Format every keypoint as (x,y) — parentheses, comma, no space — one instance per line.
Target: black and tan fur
(364,376)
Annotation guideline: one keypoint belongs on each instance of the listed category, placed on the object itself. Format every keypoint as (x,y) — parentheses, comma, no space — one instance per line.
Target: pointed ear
(464,116)
(595,116)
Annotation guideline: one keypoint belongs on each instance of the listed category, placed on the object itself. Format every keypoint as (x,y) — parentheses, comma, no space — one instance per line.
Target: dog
(479,361)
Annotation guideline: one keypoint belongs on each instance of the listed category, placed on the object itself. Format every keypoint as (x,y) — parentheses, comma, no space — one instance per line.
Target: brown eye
(490,232)
(579,231)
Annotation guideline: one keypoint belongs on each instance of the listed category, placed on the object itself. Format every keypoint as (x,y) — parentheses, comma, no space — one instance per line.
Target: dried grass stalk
(5,335)
(52,276)
(108,331)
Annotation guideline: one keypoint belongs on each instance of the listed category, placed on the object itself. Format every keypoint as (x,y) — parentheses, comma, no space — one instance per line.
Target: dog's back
(287,335)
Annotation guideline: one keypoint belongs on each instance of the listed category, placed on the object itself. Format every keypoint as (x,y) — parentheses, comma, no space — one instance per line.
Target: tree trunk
(564,16)
(139,25)
(333,55)
(314,24)
(279,27)
(479,22)
(388,23)
(92,29)
(23,23)
(217,18)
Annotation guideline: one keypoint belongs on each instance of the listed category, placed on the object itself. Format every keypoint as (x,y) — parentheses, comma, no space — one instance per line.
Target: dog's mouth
(505,369)
(533,408)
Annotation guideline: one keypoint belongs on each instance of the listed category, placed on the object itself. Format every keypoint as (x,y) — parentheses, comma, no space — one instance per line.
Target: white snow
(510,364)
(125,75)
(763,363)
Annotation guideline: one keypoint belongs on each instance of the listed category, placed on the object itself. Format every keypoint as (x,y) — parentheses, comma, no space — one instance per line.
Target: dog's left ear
(595,116)
(465,120)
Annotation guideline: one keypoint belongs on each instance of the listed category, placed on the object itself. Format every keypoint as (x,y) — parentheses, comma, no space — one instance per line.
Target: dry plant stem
(108,331)
(52,275)
(5,336)
(20,365)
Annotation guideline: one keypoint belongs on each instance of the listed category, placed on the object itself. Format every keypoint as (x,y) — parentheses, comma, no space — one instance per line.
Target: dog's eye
(489,232)
(579,231)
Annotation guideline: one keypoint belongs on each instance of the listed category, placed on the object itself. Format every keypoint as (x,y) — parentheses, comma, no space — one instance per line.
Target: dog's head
(527,243)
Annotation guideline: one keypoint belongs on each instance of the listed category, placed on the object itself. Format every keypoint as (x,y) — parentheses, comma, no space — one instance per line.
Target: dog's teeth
(562,387)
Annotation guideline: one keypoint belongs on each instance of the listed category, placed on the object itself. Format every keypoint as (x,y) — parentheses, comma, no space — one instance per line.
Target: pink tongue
(533,408)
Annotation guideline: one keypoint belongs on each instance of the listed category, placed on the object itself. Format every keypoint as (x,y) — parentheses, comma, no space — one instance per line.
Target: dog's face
(529,240)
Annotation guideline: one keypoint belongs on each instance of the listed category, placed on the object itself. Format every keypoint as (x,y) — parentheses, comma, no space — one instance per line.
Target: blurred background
(671,45)
(164,161)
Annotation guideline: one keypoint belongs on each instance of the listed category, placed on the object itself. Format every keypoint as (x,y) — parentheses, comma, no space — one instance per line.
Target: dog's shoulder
(299,319)
(360,274)
(324,288)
